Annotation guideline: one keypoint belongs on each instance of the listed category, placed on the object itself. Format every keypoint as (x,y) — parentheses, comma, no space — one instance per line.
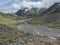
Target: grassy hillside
(8,27)
(9,19)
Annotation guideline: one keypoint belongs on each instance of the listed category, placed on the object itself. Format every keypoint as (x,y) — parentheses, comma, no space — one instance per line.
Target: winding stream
(39,30)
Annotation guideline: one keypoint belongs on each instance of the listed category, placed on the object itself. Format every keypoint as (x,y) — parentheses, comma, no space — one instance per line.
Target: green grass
(39,22)
(7,36)
(53,25)
(10,20)
(35,22)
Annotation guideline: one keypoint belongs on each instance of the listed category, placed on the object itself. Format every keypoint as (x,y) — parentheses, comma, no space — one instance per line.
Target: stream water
(39,30)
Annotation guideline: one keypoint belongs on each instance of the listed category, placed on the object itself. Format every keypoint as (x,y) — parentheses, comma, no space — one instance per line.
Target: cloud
(18,4)
(31,4)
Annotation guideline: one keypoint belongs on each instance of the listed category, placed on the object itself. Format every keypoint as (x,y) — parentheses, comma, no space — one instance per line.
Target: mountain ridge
(30,12)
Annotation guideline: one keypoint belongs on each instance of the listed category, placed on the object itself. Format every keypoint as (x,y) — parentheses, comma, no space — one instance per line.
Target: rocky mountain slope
(51,9)
(52,14)
(30,12)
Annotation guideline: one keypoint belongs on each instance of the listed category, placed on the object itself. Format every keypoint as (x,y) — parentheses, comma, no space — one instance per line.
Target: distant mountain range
(30,12)
(55,6)
(52,14)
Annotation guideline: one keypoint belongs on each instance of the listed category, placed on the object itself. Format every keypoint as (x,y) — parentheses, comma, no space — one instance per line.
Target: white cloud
(18,4)
(32,4)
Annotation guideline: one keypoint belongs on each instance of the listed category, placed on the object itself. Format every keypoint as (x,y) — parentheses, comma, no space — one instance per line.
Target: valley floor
(33,35)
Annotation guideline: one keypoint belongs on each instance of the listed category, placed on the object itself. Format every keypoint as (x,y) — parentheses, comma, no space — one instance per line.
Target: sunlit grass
(9,20)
